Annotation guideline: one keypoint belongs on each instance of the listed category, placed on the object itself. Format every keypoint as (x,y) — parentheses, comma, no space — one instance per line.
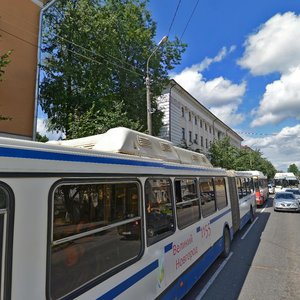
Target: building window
(206,143)
(200,123)
(209,129)
(196,138)
(190,116)
(183,133)
(190,136)
(201,141)
(196,121)
(182,111)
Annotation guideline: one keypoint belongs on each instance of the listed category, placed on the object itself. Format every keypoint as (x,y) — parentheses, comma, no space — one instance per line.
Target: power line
(267,134)
(100,55)
(174,17)
(187,24)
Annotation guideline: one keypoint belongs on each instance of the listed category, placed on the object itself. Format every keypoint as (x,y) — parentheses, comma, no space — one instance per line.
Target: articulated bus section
(140,222)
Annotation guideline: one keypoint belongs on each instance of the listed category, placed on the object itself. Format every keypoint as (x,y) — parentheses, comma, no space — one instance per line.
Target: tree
(95,53)
(41,138)
(223,154)
(293,169)
(93,122)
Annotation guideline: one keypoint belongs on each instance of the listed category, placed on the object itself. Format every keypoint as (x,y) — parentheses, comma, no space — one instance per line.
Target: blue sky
(243,63)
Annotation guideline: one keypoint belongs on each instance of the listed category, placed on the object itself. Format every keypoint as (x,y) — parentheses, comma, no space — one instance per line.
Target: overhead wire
(174,16)
(187,24)
(100,55)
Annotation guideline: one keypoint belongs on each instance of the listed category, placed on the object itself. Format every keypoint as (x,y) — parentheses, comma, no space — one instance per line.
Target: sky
(242,62)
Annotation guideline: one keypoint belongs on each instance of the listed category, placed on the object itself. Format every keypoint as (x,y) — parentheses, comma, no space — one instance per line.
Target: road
(264,264)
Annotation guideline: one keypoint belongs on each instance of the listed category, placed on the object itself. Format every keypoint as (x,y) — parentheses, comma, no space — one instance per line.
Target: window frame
(163,236)
(195,179)
(215,199)
(104,276)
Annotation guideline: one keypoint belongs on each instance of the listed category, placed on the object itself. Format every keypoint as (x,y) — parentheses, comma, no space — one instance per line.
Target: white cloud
(51,135)
(274,47)
(228,114)
(281,149)
(280,101)
(220,95)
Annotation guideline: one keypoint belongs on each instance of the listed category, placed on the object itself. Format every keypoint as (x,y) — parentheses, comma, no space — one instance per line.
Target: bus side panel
(187,280)
(30,236)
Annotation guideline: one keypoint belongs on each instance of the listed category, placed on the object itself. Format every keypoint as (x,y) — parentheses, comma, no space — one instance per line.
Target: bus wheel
(227,243)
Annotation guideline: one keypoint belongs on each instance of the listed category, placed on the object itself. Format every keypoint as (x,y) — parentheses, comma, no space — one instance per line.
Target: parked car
(296,192)
(285,201)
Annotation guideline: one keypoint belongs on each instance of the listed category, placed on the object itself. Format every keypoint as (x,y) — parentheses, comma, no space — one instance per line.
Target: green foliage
(4,61)
(223,154)
(95,54)
(99,121)
(41,138)
(293,169)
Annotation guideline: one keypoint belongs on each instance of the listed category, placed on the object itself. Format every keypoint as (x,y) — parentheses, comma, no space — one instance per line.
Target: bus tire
(227,243)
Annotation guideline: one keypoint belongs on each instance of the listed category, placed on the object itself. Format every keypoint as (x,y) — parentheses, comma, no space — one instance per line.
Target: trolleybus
(119,215)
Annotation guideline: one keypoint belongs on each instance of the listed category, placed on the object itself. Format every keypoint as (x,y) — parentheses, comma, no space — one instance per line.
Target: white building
(187,123)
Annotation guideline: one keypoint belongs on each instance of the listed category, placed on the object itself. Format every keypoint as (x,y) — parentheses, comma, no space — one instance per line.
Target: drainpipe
(170,114)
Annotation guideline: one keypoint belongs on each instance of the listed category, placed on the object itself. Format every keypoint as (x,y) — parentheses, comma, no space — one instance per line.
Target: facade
(189,124)
(19,29)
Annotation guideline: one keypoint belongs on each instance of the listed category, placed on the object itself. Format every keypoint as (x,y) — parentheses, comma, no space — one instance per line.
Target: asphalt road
(264,265)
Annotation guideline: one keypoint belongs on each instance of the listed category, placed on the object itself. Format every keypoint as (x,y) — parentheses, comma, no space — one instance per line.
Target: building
(189,124)
(19,30)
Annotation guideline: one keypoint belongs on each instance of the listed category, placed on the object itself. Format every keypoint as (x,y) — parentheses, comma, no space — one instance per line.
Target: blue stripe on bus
(37,154)
(185,282)
(220,216)
(123,286)
(168,247)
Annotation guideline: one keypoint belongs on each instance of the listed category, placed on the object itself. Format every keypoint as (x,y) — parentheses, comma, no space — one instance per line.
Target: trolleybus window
(187,202)
(159,209)
(96,227)
(207,196)
(220,193)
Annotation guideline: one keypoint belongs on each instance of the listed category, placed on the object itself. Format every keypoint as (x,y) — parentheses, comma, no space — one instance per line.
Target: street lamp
(149,112)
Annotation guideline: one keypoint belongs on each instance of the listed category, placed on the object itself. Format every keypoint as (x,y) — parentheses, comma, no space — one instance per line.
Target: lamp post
(149,109)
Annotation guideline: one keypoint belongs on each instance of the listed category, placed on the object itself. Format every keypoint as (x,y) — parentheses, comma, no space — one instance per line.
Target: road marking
(211,280)
(249,228)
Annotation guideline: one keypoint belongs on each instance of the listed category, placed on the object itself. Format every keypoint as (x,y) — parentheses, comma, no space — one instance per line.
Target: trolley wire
(174,16)
(187,24)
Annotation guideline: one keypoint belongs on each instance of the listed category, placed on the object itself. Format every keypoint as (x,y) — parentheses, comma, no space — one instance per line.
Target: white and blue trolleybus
(119,215)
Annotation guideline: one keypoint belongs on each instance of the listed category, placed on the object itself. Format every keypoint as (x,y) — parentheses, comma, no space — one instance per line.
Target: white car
(286,201)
